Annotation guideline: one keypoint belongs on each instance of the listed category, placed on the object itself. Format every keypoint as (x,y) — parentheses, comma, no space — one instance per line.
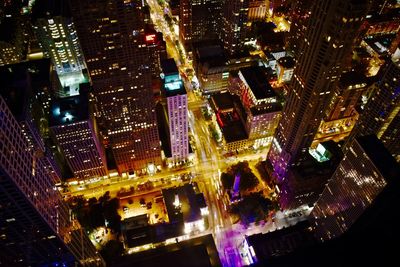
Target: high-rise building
(381,114)
(332,28)
(235,17)
(257,10)
(177,109)
(56,33)
(299,14)
(116,53)
(37,227)
(365,171)
(198,21)
(74,129)
(343,113)
(157,50)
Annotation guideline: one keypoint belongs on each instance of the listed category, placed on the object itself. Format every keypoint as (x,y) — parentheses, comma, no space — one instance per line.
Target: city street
(209,163)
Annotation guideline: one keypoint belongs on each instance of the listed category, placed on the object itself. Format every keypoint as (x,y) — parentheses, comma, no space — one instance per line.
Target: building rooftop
(222,102)
(352,78)
(168,67)
(194,252)
(234,131)
(381,43)
(51,8)
(15,88)
(286,62)
(137,230)
(70,82)
(174,88)
(20,81)
(257,80)
(281,242)
(8,27)
(70,109)
(190,207)
(172,82)
(210,51)
(209,57)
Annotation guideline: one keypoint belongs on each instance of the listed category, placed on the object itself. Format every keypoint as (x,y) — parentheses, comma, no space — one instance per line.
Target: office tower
(332,28)
(199,20)
(299,15)
(157,50)
(74,128)
(361,177)
(56,33)
(235,16)
(257,10)
(117,57)
(177,109)
(381,114)
(36,225)
(343,113)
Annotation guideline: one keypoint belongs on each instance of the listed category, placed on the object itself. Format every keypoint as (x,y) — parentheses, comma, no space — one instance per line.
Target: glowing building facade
(177,109)
(362,175)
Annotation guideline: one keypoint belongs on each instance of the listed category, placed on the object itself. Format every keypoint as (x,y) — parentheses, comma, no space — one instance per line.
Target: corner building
(113,42)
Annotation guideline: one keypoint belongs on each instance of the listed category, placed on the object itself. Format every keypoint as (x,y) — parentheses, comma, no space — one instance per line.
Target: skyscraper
(114,45)
(177,109)
(299,14)
(343,113)
(257,10)
(235,17)
(198,21)
(74,128)
(381,115)
(57,35)
(36,226)
(331,30)
(365,171)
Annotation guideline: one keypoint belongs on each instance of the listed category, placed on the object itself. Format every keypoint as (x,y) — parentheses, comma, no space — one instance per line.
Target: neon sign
(150,38)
